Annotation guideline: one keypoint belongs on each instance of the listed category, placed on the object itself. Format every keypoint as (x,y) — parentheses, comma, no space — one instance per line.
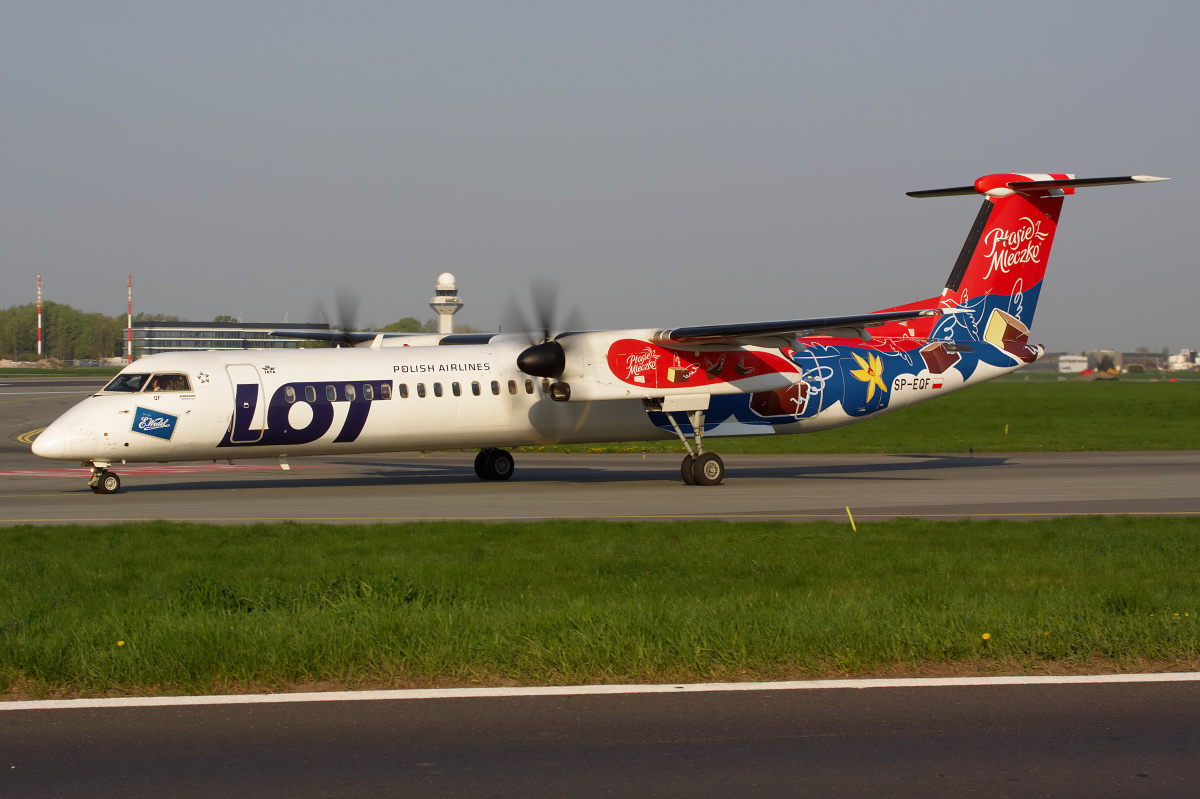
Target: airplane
(494,392)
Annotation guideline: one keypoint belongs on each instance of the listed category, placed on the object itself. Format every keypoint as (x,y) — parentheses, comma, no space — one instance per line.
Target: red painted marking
(641,363)
(134,469)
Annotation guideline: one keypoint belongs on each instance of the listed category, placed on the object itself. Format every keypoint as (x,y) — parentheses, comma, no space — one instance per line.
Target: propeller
(347,310)
(544,357)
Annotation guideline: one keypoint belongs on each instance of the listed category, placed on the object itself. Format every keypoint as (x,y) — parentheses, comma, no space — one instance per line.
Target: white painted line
(592,690)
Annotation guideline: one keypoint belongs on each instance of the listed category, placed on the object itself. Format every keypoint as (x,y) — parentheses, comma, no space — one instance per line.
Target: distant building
(1074,364)
(1147,360)
(1186,359)
(153,337)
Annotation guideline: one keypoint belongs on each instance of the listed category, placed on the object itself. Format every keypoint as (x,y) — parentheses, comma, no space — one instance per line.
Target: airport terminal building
(153,337)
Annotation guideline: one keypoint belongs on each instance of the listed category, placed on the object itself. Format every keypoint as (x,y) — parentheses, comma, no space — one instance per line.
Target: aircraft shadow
(430,474)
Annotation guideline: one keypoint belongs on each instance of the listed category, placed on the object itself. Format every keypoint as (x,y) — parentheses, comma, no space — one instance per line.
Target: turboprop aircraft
(392,393)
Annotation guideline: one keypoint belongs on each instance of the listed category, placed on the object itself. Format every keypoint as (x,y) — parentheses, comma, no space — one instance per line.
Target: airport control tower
(446,302)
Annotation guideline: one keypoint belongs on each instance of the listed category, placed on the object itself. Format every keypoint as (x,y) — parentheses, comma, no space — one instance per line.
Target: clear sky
(667,163)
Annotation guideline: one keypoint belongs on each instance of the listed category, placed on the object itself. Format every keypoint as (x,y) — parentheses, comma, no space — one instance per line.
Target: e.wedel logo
(154,423)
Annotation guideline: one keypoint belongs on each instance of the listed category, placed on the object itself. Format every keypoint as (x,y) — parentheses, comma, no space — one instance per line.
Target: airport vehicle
(398,392)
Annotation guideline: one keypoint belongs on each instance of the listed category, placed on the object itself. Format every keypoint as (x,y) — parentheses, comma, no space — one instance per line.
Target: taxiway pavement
(411,487)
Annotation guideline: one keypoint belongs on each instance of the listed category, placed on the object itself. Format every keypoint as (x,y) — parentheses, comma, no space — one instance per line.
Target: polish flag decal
(937,382)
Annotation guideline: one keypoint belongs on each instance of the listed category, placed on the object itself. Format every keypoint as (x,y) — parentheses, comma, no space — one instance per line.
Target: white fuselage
(472,397)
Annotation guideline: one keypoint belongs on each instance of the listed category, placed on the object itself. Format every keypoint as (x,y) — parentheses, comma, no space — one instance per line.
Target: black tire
(708,470)
(109,483)
(498,465)
(685,470)
(481,464)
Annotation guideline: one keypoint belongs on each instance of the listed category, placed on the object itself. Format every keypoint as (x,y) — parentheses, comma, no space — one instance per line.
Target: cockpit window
(127,382)
(168,382)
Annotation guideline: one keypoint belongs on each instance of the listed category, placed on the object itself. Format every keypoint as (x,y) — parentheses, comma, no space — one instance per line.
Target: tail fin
(998,274)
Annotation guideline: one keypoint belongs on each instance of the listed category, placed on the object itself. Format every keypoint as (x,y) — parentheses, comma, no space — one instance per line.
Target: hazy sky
(666,163)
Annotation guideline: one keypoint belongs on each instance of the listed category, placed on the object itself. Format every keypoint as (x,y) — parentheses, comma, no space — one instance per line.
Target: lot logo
(154,423)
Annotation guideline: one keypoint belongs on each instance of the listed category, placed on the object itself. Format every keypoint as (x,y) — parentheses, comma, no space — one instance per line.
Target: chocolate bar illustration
(680,374)
(938,357)
(1010,334)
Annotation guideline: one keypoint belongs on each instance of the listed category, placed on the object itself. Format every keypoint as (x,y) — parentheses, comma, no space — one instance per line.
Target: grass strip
(1032,416)
(184,608)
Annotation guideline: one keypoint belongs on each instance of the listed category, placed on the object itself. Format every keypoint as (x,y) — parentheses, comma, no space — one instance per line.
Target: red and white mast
(39,353)
(129,326)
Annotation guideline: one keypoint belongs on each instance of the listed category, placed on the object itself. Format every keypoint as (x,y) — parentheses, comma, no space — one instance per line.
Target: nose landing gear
(103,481)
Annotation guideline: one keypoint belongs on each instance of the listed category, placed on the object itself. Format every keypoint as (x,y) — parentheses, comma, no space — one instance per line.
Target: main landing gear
(493,464)
(699,468)
(103,481)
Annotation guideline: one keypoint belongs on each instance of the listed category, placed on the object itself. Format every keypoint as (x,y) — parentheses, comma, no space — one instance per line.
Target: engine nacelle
(625,364)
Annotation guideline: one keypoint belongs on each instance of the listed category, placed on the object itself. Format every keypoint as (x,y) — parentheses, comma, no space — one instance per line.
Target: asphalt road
(547,486)
(1025,740)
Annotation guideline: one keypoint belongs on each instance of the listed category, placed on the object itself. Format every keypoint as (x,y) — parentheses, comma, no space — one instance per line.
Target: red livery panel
(643,364)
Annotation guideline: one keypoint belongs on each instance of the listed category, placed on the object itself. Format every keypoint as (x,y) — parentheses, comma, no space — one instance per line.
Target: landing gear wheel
(480,464)
(708,470)
(498,465)
(685,470)
(108,483)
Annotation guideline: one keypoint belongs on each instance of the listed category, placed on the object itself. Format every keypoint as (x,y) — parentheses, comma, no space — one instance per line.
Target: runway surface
(547,486)
(997,740)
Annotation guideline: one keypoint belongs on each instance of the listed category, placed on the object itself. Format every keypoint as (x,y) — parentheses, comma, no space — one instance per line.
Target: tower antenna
(129,325)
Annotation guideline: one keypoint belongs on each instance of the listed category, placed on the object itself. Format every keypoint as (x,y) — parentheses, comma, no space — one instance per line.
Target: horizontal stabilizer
(990,186)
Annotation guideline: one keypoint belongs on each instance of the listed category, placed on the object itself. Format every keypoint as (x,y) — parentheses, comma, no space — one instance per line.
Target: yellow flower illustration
(871,373)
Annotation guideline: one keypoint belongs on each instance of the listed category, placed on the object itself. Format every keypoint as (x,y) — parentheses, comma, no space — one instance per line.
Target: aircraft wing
(336,336)
(784,333)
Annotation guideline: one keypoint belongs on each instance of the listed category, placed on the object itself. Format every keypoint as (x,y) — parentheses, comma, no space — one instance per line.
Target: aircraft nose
(51,443)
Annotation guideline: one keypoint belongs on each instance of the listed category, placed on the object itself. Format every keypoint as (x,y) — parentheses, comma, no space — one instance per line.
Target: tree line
(69,334)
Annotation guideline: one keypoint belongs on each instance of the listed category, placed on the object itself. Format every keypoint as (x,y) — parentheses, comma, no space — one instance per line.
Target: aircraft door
(865,388)
(491,407)
(249,404)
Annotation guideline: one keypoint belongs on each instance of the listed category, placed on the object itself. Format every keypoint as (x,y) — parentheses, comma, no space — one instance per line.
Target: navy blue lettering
(279,432)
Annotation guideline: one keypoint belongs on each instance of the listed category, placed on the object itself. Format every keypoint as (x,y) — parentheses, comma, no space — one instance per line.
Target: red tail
(1003,261)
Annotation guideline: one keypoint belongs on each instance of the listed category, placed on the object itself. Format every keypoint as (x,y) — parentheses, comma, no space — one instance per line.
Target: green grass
(1021,416)
(203,609)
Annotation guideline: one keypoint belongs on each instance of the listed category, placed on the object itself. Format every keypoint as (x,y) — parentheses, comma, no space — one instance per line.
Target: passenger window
(385,391)
(331,393)
(310,394)
(421,390)
(349,393)
(368,392)
(403,389)
(512,386)
(289,394)
(457,389)
(437,389)
(528,386)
